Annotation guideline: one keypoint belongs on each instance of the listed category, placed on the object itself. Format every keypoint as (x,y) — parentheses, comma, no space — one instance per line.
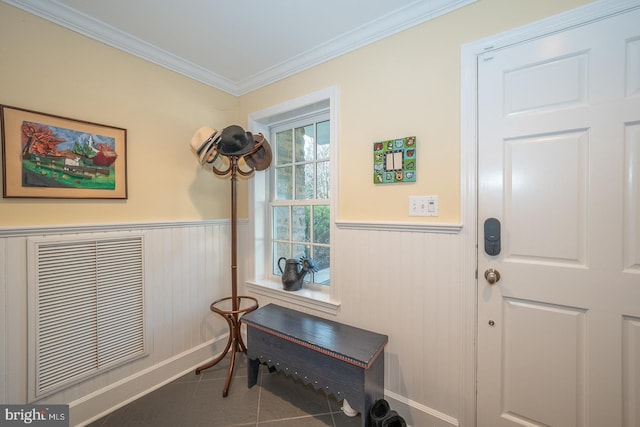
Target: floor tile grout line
(296,417)
(192,384)
(333,420)
(261,371)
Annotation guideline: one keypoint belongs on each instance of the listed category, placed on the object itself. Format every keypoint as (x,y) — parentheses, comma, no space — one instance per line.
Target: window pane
(322,139)
(304,181)
(281,223)
(280,250)
(284,148)
(301,250)
(322,180)
(284,183)
(321,224)
(300,229)
(305,143)
(301,212)
(322,259)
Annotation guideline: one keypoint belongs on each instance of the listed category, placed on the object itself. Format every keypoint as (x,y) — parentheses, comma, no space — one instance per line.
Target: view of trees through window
(300,213)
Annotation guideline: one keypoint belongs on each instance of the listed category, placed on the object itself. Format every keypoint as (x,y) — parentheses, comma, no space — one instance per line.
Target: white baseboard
(96,405)
(417,414)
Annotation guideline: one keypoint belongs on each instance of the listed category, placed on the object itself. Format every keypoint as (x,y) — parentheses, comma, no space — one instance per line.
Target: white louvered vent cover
(86,308)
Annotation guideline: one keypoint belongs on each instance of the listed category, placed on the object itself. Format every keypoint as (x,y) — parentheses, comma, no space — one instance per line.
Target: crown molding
(413,14)
(86,25)
(399,20)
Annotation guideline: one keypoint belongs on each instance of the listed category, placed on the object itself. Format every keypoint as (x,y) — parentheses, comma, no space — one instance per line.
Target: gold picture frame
(49,156)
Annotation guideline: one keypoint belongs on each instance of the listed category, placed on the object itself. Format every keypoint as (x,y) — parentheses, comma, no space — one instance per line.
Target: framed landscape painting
(48,156)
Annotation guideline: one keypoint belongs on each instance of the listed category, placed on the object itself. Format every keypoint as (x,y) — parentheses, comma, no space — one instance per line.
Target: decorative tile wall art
(394,161)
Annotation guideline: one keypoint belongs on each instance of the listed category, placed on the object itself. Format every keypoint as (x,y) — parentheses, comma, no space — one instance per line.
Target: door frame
(469,169)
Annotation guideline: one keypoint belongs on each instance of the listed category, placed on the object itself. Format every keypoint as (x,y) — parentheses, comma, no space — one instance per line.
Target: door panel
(633,65)
(631,370)
(555,335)
(632,196)
(544,191)
(527,89)
(559,167)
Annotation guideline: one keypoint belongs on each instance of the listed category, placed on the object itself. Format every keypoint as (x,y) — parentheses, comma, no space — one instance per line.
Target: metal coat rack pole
(235,344)
(234,232)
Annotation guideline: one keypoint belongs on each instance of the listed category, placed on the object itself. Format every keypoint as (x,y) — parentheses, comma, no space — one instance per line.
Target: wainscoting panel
(3,323)
(187,267)
(405,284)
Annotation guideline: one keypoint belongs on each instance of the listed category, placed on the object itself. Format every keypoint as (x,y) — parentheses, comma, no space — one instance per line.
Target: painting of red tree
(39,139)
(50,156)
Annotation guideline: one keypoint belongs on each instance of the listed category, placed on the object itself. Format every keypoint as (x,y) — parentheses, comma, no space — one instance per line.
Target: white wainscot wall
(187,267)
(402,283)
(407,283)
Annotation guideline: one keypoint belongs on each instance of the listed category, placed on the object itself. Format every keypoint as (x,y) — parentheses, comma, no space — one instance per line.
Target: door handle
(492,276)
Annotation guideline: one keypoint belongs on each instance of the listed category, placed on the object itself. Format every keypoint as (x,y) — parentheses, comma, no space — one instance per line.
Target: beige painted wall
(50,69)
(407,84)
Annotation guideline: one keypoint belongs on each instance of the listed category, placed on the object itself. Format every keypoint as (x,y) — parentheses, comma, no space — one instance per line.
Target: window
(293,203)
(300,201)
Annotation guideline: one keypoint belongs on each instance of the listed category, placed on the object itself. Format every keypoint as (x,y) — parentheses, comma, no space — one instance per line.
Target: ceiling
(238,45)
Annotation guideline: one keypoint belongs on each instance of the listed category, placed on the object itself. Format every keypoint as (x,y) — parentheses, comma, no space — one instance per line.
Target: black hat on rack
(234,141)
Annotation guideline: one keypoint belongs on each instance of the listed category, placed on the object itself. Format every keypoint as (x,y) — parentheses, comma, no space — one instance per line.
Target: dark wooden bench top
(348,343)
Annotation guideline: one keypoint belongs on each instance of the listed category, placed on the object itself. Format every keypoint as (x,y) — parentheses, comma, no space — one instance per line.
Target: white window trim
(314,297)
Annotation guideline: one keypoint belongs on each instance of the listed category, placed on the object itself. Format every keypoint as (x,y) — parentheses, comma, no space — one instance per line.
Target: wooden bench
(341,360)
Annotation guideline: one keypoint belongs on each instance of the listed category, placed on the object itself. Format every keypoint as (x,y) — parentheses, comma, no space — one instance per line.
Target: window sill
(306,297)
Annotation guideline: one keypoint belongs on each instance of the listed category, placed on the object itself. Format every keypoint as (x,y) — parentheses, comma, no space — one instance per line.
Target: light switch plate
(423,206)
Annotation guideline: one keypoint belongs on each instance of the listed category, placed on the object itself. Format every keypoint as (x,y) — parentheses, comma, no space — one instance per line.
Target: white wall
(405,284)
(187,267)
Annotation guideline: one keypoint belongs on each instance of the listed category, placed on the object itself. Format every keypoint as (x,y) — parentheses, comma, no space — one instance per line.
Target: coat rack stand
(240,305)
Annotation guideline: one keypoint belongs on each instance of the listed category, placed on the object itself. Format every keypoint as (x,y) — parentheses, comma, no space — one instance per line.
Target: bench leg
(253,367)
(373,388)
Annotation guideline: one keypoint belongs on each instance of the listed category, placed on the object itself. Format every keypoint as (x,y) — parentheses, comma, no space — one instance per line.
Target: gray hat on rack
(234,141)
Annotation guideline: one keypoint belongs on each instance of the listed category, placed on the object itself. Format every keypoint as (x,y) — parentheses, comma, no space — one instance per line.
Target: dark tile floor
(196,400)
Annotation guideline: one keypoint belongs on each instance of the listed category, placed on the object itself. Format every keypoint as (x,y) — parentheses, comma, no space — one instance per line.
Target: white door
(559,168)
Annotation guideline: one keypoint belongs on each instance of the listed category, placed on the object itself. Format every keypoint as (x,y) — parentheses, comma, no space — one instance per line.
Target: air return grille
(86,308)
